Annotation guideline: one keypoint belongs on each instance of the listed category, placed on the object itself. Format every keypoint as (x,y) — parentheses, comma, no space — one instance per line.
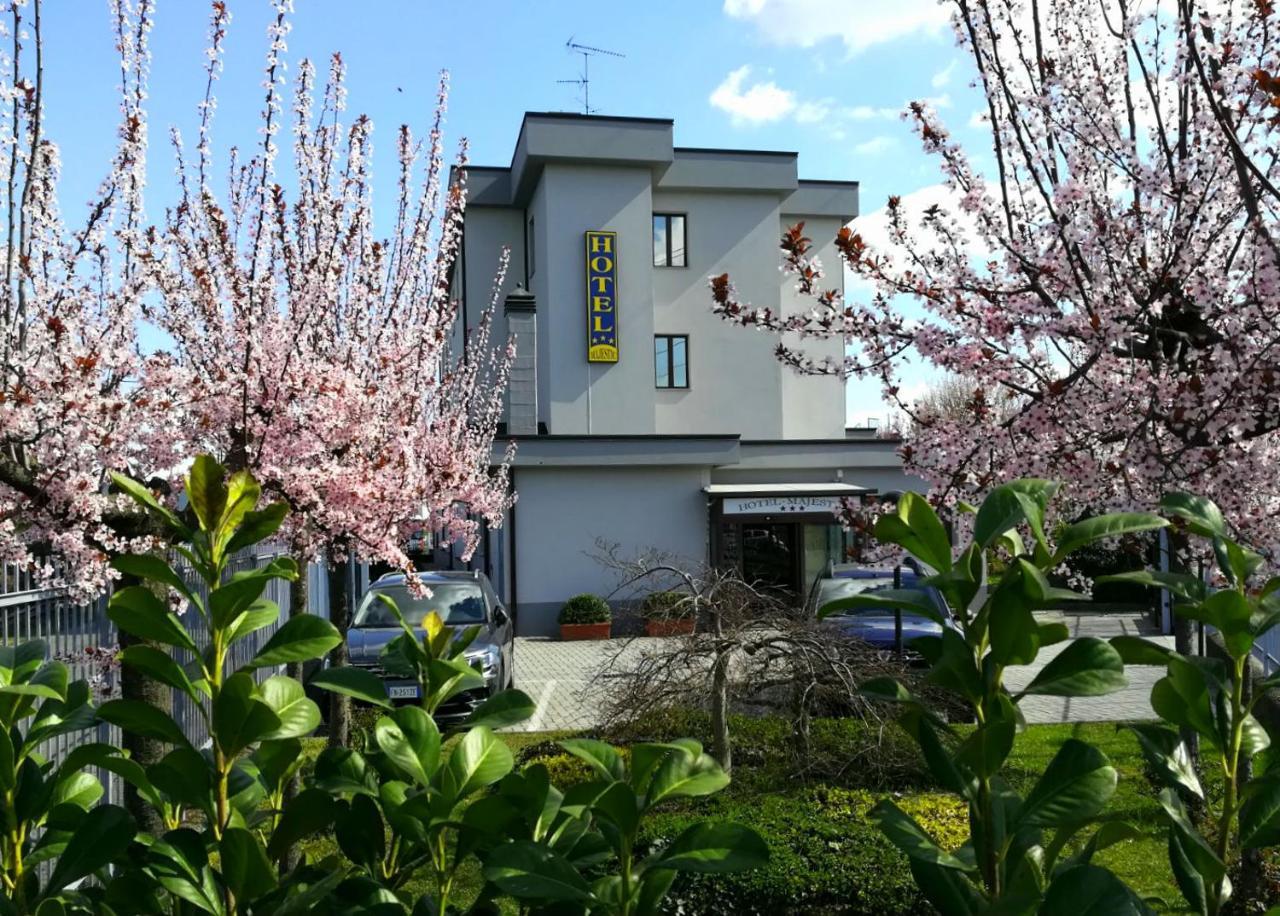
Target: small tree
(1017,857)
(320,355)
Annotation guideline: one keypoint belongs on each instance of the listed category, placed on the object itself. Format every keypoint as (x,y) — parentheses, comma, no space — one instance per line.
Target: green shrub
(845,751)
(826,856)
(668,605)
(585,609)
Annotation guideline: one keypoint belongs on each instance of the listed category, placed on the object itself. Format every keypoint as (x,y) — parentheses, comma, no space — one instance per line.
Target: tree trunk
(721,745)
(134,685)
(1251,882)
(299,598)
(1183,635)
(143,751)
(340,617)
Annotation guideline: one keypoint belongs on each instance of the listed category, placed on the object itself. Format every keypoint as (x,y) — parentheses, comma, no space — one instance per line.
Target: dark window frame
(671,362)
(530,251)
(665,215)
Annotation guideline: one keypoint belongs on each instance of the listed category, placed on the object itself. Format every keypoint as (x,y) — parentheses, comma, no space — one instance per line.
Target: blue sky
(826,78)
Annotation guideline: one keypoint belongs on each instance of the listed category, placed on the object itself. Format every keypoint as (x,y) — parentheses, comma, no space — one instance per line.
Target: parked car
(462,599)
(877,625)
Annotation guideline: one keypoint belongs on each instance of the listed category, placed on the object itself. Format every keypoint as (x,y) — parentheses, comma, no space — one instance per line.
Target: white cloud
(875,146)
(759,103)
(979,118)
(805,23)
(943,76)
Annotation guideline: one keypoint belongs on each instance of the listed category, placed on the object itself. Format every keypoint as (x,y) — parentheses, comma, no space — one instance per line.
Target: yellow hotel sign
(602,296)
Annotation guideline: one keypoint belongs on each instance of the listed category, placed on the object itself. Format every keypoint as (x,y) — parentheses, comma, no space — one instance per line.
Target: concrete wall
(595,398)
(563,511)
(733,377)
(815,403)
(489,229)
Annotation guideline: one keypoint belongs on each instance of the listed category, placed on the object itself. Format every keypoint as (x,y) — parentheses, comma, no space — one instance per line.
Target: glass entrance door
(769,556)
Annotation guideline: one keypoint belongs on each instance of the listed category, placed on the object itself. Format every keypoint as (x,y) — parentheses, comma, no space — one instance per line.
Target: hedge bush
(585,609)
(668,605)
(826,857)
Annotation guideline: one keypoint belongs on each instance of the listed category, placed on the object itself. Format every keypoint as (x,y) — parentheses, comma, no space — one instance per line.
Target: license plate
(404,693)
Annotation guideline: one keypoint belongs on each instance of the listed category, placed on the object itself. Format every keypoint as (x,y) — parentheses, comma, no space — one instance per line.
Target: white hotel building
(640,417)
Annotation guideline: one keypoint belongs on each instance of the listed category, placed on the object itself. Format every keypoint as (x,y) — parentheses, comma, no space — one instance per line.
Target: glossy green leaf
(142,719)
(530,871)
(156,569)
(508,707)
(207,491)
(102,836)
(145,498)
(1182,585)
(245,866)
(240,717)
(1260,814)
(1012,629)
(480,759)
(714,847)
(1087,667)
(1134,650)
(686,775)
(1003,510)
(360,832)
(299,639)
(411,741)
(1100,527)
(360,683)
(139,612)
(159,666)
(602,757)
(258,525)
(1167,755)
(1088,890)
(298,715)
(1075,786)
(916,528)
(1202,515)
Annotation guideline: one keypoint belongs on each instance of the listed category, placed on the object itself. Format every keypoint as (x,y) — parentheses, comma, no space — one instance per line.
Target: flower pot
(571,631)
(678,626)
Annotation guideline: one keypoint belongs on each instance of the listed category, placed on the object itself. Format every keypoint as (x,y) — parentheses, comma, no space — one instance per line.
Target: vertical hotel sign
(602,296)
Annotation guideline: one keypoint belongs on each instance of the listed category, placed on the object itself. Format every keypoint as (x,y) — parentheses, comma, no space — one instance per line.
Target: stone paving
(1125,705)
(560,676)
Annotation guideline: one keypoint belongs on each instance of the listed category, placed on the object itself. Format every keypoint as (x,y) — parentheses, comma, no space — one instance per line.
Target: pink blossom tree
(71,408)
(320,355)
(1112,281)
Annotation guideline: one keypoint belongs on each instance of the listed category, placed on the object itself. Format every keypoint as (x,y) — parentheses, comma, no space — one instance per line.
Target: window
(671,360)
(529,261)
(668,240)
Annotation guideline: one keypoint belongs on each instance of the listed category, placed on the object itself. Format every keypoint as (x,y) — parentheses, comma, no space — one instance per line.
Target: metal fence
(82,636)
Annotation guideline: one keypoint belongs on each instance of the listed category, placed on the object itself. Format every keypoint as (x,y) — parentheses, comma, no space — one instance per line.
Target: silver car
(462,599)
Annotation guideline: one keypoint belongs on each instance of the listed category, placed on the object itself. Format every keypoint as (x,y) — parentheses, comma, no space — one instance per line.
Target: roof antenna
(584,81)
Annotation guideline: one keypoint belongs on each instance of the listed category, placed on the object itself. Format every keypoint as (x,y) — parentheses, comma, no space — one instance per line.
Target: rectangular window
(530,261)
(668,240)
(671,360)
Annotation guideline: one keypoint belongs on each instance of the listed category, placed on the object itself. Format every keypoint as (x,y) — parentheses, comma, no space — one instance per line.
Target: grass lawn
(827,857)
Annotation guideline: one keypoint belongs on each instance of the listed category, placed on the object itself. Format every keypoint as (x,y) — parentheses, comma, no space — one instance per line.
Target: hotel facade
(642,419)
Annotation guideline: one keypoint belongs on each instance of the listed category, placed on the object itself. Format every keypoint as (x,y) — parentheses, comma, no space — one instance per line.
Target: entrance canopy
(782,499)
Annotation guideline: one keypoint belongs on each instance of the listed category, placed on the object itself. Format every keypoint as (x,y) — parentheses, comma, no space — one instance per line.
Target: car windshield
(455,602)
(834,589)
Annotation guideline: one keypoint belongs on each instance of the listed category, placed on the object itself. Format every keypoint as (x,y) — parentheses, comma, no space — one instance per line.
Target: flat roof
(784,489)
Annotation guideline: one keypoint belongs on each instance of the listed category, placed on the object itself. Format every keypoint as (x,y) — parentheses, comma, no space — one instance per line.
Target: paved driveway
(561,676)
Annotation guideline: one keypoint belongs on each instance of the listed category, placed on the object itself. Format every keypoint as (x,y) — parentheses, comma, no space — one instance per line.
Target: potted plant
(668,614)
(585,617)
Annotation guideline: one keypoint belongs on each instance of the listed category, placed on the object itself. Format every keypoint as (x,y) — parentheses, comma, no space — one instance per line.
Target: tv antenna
(583,82)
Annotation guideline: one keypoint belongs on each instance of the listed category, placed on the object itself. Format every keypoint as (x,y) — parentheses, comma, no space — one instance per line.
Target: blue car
(877,625)
(462,599)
